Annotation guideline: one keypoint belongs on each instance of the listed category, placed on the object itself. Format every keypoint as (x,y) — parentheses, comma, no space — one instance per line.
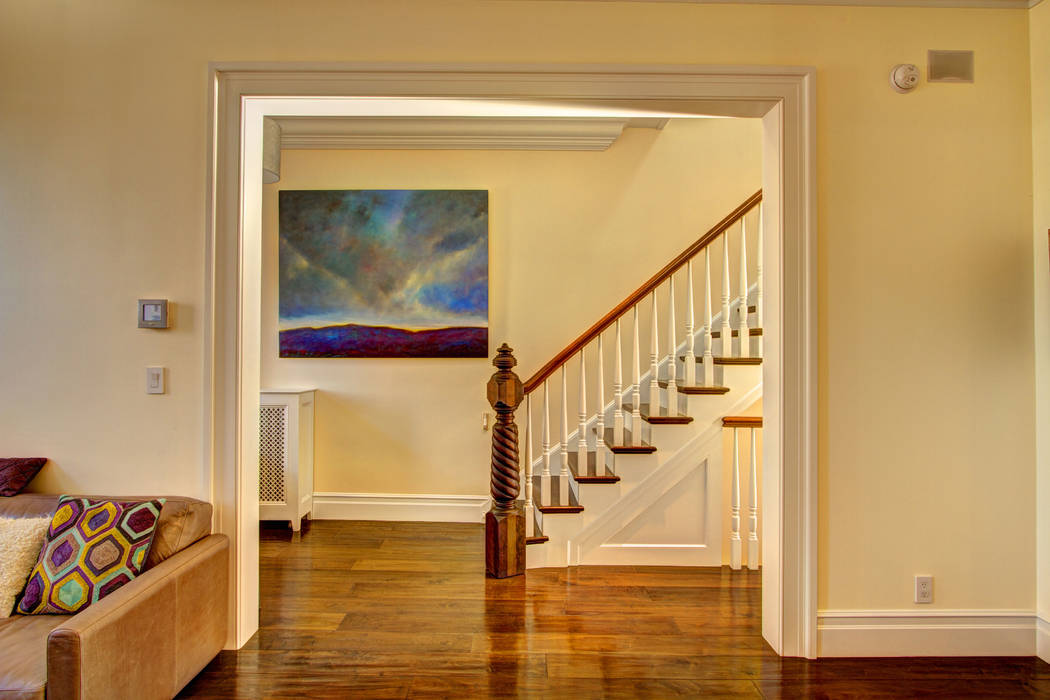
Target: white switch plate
(923,589)
(154,380)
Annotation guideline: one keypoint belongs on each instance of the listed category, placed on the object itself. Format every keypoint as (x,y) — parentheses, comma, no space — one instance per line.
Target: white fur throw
(20,542)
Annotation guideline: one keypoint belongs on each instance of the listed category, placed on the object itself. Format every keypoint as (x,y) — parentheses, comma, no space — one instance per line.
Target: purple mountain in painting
(352,340)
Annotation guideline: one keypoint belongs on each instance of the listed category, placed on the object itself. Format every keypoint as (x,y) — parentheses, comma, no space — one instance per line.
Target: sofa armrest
(148,638)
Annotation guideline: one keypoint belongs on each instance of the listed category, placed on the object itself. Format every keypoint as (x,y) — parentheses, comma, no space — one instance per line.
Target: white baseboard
(1042,638)
(412,507)
(926,633)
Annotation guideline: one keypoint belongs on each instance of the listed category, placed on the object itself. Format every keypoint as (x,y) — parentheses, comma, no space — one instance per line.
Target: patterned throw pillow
(93,547)
(17,472)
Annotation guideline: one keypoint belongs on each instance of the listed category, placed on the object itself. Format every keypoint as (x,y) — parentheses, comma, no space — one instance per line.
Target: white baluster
(672,354)
(758,282)
(545,476)
(726,330)
(709,339)
(654,363)
(530,517)
(752,507)
(599,451)
(734,509)
(742,331)
(581,437)
(563,477)
(618,391)
(636,396)
(545,445)
(690,330)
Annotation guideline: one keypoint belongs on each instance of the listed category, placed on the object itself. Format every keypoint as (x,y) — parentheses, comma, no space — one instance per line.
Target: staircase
(639,480)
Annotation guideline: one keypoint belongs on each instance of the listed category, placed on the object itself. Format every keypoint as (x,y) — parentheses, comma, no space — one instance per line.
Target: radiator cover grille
(273,453)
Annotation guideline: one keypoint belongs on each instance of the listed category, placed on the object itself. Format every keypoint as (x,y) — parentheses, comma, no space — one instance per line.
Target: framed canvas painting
(383,273)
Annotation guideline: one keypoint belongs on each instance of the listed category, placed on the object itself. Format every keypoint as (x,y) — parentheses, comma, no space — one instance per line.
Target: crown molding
(538,134)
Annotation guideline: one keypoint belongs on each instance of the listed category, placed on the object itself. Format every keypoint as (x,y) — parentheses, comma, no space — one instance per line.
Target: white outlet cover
(923,589)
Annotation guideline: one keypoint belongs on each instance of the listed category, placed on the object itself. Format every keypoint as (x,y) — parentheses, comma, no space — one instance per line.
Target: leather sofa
(147,639)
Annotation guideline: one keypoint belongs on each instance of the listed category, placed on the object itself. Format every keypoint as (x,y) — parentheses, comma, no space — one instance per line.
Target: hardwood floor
(396,610)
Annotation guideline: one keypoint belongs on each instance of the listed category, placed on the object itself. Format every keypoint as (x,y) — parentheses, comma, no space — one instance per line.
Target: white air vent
(950,67)
(273,453)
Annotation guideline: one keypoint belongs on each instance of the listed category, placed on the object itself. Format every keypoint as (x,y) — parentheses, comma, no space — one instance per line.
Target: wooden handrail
(742,422)
(591,333)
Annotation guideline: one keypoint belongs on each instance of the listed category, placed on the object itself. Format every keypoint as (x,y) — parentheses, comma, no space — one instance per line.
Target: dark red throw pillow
(17,472)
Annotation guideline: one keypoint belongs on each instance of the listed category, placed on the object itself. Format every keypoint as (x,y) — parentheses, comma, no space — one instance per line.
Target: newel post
(505,521)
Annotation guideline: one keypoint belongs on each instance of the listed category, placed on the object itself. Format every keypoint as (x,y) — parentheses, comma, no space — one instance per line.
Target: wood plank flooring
(403,610)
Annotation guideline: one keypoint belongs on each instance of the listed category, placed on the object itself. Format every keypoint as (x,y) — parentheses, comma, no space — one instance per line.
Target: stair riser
(598,498)
(706,408)
(735,376)
(633,468)
(669,438)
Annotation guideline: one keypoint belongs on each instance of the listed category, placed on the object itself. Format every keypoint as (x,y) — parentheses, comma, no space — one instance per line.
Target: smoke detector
(904,77)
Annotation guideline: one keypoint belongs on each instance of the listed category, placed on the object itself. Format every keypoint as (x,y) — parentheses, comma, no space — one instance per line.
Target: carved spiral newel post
(505,521)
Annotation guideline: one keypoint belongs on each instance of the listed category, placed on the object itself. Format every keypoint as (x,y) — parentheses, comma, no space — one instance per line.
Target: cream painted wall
(926,424)
(1039,38)
(414,426)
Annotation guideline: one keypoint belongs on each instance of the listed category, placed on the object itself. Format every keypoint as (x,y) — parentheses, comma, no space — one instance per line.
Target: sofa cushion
(20,542)
(17,472)
(93,548)
(182,522)
(28,505)
(23,660)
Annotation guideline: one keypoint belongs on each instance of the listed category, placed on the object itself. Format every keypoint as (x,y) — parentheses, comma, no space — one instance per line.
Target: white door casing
(241,94)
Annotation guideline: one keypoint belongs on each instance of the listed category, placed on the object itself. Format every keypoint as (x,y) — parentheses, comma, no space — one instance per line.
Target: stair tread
(592,476)
(664,417)
(736,334)
(729,360)
(643,448)
(698,389)
(536,539)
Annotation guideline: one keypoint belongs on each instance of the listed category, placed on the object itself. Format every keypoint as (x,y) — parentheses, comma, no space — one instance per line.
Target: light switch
(154,380)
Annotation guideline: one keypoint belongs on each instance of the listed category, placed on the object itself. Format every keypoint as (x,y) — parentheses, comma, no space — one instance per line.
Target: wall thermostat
(904,77)
(153,313)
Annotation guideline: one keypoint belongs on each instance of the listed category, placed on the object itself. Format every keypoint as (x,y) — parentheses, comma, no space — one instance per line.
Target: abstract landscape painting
(383,273)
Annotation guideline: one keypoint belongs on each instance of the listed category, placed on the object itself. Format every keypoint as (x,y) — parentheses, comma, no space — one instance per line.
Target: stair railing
(745,324)
(752,424)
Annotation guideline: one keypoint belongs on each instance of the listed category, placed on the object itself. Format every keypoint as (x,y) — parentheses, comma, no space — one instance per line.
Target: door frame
(241,94)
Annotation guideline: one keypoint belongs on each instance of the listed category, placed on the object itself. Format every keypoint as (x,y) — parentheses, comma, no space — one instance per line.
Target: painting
(383,273)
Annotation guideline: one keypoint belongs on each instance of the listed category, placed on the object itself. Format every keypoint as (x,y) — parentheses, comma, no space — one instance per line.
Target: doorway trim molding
(241,94)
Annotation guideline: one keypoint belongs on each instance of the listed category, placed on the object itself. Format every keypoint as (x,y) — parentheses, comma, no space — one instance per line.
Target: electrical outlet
(923,589)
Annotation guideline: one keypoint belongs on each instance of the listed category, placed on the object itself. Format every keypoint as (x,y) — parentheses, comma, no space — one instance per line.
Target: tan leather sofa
(147,639)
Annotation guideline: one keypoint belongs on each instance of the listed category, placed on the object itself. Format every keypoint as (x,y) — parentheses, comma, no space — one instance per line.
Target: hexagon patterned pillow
(93,547)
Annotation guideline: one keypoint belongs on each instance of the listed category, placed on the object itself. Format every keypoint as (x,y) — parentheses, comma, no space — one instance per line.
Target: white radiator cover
(286,455)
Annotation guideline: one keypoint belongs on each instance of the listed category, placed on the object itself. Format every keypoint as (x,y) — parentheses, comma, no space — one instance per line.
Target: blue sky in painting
(404,258)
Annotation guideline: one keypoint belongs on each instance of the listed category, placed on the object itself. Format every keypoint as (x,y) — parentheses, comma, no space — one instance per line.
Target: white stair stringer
(641,497)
